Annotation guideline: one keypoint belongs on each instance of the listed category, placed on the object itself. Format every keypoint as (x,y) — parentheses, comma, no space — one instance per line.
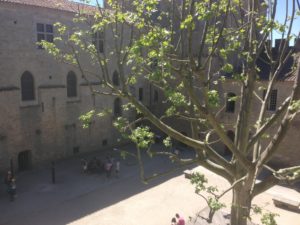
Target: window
(115,78)
(155,98)
(141,94)
(44,32)
(104,142)
(71,84)
(117,107)
(230,102)
(272,103)
(27,86)
(98,41)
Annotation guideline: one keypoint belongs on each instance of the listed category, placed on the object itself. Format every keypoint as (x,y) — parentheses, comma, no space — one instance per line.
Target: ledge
(51,86)
(29,105)
(285,203)
(90,83)
(71,101)
(9,88)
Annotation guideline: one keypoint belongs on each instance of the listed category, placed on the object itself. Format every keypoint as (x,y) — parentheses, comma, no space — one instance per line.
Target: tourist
(173,221)
(180,219)
(84,165)
(8,178)
(117,168)
(12,189)
(108,168)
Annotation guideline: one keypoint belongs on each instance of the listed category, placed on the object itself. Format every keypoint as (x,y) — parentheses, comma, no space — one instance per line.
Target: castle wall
(47,126)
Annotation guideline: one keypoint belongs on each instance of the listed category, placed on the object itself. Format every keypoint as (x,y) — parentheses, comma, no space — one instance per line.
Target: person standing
(8,178)
(12,189)
(108,167)
(117,168)
(180,219)
(173,221)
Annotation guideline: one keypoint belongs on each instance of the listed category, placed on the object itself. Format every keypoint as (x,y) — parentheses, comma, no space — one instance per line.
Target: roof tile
(64,5)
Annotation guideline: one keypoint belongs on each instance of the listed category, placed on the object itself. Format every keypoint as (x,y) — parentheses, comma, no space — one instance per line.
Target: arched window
(117,107)
(115,78)
(230,102)
(27,86)
(71,84)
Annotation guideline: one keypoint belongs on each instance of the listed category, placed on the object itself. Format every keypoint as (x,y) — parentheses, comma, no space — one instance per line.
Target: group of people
(111,165)
(177,220)
(97,166)
(10,182)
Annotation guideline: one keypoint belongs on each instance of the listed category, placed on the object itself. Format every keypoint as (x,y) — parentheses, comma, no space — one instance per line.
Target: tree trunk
(241,205)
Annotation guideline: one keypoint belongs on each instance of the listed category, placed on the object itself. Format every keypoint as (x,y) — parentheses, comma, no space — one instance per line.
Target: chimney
(268,43)
(278,42)
(297,45)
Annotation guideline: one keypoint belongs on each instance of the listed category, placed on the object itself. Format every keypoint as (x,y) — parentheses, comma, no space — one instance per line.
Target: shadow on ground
(76,195)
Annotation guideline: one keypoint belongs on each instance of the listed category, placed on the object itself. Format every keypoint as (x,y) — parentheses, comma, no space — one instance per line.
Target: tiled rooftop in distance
(64,5)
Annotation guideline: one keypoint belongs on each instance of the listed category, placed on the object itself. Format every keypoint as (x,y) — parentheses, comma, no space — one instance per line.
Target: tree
(187,49)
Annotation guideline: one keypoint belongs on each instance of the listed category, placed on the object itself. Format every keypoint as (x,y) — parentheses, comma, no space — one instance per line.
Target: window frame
(141,94)
(71,85)
(272,101)
(44,33)
(230,105)
(115,78)
(27,86)
(98,41)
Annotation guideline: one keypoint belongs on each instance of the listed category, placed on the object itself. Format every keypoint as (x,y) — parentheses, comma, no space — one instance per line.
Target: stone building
(42,99)
(288,153)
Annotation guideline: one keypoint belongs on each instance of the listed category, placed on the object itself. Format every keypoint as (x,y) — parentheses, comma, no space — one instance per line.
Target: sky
(92,2)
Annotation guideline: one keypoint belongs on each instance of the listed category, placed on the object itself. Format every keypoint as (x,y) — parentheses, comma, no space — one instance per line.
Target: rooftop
(63,5)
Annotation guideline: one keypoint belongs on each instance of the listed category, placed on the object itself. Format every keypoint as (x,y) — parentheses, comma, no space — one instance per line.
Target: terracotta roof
(64,5)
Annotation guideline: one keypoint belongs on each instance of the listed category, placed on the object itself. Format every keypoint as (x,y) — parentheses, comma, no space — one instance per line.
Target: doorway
(24,160)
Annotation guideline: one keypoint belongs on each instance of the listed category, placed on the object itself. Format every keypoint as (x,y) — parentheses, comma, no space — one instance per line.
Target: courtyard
(78,198)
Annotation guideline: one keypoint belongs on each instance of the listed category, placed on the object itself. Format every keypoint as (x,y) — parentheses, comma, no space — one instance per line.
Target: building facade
(288,152)
(42,99)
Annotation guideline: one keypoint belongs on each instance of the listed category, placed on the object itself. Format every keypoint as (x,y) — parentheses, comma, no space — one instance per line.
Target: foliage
(201,185)
(142,136)
(267,217)
(190,52)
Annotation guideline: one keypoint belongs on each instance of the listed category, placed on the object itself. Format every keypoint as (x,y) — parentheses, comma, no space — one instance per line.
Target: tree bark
(241,205)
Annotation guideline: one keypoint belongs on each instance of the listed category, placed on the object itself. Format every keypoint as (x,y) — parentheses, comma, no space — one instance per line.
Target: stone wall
(288,153)
(48,126)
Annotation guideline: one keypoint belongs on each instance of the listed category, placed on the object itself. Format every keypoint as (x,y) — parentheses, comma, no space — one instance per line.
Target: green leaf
(86,118)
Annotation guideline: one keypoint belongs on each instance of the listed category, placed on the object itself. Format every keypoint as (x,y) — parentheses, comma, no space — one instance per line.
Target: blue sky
(281,11)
